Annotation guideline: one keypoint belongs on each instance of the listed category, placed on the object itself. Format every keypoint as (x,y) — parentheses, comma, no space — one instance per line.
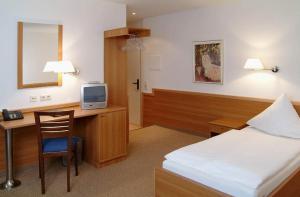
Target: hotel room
(141,98)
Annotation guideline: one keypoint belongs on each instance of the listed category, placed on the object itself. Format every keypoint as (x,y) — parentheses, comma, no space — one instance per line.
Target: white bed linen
(248,158)
(228,187)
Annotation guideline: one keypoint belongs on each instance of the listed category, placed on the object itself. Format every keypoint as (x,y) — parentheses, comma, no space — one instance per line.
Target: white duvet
(248,157)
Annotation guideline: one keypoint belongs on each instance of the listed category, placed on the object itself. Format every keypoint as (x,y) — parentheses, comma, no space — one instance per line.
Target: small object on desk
(223,125)
(11,115)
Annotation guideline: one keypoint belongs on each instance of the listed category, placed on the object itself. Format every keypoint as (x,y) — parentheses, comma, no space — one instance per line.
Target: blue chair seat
(57,144)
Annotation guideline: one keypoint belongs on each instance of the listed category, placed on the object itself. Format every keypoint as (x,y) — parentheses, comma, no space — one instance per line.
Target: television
(93,95)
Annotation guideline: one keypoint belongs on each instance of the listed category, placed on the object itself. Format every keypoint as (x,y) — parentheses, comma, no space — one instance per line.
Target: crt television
(93,95)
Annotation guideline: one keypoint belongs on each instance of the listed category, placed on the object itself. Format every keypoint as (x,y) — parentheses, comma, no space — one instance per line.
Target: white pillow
(280,119)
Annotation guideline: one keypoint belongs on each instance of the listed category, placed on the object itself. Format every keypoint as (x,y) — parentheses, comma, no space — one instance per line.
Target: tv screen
(94,94)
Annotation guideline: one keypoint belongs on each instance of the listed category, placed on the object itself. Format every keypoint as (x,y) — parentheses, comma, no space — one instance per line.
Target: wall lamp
(256,64)
(61,67)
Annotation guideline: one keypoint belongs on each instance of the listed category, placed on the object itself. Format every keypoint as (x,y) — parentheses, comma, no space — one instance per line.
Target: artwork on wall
(208,62)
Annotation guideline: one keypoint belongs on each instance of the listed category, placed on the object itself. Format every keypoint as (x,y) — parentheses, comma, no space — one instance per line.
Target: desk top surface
(78,113)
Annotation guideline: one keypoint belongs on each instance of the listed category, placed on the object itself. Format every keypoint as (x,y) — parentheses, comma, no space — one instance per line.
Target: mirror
(38,44)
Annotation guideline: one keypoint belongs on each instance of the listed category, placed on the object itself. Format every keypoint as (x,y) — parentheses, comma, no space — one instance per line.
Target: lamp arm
(274,69)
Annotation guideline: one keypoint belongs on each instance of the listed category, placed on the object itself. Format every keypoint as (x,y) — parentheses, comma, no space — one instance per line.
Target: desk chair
(55,140)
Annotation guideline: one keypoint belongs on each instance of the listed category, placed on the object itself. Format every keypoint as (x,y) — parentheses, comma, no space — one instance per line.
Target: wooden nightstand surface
(223,125)
(229,123)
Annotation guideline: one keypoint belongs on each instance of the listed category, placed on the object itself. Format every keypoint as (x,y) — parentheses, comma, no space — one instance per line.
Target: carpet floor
(133,177)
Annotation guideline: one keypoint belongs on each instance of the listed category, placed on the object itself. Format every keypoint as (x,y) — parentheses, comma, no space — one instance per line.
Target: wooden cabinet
(112,130)
(104,136)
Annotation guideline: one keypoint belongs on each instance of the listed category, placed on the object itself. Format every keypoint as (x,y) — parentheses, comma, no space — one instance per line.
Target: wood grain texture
(52,129)
(60,52)
(20,83)
(126,31)
(168,184)
(225,124)
(289,187)
(112,140)
(115,73)
(20,55)
(230,123)
(87,125)
(79,113)
(115,65)
(192,111)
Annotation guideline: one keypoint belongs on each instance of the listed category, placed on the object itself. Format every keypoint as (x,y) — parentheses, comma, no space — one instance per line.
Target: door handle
(137,83)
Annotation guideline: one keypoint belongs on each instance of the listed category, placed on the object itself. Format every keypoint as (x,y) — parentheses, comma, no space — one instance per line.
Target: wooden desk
(104,132)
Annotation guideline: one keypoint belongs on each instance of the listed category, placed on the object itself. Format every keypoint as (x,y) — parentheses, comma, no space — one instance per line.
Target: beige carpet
(132,177)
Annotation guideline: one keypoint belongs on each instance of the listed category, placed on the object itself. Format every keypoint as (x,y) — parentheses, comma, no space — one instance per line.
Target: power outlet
(45,98)
(33,99)
(48,97)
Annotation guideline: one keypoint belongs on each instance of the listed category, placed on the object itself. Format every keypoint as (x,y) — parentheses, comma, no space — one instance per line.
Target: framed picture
(208,62)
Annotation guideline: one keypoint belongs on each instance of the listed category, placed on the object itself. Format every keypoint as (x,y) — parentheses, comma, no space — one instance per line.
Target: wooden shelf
(230,123)
(126,32)
(223,125)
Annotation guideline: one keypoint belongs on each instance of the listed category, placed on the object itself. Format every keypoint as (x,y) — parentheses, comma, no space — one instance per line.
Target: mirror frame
(21,84)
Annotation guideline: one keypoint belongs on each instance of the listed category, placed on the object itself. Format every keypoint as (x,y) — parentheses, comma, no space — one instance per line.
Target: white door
(134,86)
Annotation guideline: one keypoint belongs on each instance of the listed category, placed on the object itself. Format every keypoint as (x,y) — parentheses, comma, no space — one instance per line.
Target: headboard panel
(191,111)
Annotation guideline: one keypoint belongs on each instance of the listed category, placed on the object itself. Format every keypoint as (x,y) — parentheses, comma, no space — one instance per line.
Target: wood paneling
(20,54)
(115,64)
(289,187)
(115,71)
(24,147)
(168,184)
(192,111)
(112,135)
(126,31)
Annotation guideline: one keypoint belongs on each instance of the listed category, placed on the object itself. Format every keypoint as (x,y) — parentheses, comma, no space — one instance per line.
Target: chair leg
(39,166)
(68,172)
(42,171)
(75,160)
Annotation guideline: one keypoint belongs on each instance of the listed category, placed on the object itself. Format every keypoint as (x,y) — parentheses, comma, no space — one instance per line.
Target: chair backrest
(59,125)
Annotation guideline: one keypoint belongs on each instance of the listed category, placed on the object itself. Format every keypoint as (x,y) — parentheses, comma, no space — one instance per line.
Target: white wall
(83,21)
(269,29)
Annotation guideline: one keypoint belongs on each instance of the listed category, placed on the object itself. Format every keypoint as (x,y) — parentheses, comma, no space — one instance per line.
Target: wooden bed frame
(169,184)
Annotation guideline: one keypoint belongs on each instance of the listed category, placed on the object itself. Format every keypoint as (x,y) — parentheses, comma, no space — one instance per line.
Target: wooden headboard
(191,111)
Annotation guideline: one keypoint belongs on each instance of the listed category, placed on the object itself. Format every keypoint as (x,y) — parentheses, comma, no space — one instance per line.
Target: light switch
(33,99)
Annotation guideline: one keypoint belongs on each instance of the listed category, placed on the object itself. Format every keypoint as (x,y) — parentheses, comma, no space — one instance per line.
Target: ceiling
(149,8)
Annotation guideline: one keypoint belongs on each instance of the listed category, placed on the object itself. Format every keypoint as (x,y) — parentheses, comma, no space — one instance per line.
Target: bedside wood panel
(191,111)
(218,129)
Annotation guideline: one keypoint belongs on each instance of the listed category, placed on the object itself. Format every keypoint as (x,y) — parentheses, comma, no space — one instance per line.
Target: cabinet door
(112,135)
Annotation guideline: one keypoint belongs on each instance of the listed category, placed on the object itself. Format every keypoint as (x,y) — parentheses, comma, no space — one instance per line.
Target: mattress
(233,183)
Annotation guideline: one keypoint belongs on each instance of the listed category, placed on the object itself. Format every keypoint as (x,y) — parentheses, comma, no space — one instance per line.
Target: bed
(242,163)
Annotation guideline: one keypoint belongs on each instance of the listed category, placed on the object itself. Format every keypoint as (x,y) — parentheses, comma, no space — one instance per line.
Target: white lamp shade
(59,67)
(254,64)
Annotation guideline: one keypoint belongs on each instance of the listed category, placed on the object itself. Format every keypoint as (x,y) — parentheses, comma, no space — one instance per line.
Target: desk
(105,133)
